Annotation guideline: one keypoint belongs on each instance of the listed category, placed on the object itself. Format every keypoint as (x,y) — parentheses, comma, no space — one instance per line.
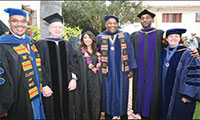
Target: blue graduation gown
(116,82)
(182,80)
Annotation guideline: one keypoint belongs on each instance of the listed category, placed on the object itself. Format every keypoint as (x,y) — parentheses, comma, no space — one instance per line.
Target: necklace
(89,61)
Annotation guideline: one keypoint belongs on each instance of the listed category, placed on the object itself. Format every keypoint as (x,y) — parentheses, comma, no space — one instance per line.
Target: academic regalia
(179,79)
(145,11)
(20,78)
(116,81)
(57,61)
(89,87)
(3,28)
(147,44)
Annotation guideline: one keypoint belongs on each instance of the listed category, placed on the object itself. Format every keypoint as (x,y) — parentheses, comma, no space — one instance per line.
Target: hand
(72,85)
(185,100)
(46,91)
(4,115)
(130,74)
(194,53)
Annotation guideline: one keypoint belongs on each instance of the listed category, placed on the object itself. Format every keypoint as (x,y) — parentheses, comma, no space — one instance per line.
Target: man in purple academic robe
(147,43)
(118,62)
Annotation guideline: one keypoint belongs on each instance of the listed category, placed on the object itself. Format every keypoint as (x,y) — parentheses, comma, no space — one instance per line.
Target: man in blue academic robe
(118,62)
(20,71)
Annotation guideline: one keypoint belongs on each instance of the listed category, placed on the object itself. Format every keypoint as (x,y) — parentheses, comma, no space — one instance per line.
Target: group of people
(49,79)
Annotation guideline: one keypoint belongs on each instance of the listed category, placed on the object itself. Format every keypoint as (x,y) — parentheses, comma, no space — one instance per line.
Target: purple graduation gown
(147,44)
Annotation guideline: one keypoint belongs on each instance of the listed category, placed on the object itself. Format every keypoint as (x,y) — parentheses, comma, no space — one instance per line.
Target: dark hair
(94,41)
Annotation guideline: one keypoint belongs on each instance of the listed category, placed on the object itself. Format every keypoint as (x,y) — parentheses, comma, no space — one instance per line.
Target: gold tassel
(27,16)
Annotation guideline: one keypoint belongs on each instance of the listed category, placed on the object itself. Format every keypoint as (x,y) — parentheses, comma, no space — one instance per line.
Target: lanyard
(169,55)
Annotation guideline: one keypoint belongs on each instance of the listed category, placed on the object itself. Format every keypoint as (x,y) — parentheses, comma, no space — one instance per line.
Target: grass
(197,111)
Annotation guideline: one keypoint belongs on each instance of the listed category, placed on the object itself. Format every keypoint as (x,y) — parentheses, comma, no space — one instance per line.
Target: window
(197,17)
(32,19)
(171,17)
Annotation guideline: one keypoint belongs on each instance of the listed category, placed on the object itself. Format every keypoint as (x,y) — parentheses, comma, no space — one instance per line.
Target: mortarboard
(16,11)
(95,32)
(54,18)
(111,16)
(146,12)
(179,31)
(3,28)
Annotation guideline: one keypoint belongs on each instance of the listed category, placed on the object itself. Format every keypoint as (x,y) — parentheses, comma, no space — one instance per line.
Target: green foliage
(67,33)
(70,32)
(197,111)
(91,13)
(36,32)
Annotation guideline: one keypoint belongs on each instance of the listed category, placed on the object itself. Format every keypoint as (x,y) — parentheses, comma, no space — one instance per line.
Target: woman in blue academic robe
(180,78)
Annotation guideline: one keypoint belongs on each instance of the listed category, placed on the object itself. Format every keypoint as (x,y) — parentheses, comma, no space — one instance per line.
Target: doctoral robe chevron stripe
(26,60)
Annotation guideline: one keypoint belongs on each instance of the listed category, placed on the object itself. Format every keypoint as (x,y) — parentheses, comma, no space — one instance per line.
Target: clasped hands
(47,92)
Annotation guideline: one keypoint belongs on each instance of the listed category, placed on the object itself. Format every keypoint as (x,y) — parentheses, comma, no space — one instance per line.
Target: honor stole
(26,59)
(104,52)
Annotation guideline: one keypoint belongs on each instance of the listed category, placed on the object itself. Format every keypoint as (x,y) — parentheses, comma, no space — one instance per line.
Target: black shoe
(124,117)
(108,117)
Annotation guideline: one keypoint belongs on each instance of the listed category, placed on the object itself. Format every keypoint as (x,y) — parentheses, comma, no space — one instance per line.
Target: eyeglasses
(19,21)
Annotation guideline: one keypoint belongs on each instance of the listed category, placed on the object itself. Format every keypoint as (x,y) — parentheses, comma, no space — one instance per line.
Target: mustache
(19,26)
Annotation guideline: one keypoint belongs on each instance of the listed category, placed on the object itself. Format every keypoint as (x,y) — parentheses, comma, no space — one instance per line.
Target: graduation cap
(146,12)
(179,31)
(3,28)
(16,11)
(87,28)
(53,18)
(111,16)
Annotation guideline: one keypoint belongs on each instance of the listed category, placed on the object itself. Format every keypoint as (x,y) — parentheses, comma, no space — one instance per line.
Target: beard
(19,33)
(146,26)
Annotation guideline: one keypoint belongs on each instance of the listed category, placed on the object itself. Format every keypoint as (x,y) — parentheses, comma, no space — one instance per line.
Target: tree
(68,32)
(91,13)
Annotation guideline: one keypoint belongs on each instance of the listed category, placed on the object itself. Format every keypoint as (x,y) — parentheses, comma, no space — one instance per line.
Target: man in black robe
(59,68)
(20,71)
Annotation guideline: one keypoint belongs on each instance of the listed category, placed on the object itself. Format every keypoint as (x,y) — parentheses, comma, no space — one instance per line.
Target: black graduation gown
(150,85)
(15,81)
(58,64)
(88,93)
(13,97)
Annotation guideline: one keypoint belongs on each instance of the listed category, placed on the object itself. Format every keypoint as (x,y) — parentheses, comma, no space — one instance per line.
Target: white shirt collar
(21,37)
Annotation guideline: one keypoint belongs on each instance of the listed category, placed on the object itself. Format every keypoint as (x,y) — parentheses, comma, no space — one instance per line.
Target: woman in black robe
(88,93)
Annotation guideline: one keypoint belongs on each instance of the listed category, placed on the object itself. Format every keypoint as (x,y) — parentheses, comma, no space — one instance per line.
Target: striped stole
(104,53)
(26,60)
